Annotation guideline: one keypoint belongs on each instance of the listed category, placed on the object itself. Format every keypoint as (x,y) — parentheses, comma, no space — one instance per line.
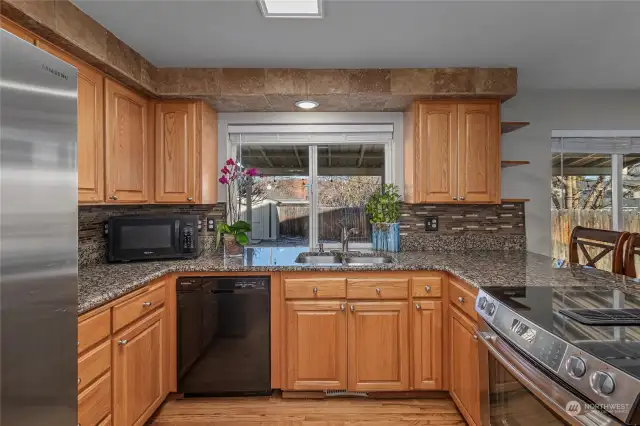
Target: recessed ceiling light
(306,104)
(291,8)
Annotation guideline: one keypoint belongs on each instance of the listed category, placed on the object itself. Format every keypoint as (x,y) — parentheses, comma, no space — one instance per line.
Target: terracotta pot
(231,246)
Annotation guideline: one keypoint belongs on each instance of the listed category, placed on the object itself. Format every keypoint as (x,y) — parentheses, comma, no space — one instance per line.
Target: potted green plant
(233,233)
(383,209)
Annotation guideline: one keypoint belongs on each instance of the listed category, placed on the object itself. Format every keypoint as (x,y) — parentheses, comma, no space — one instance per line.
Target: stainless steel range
(559,355)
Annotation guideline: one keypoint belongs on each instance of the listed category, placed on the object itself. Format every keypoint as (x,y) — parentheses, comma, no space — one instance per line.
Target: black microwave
(152,237)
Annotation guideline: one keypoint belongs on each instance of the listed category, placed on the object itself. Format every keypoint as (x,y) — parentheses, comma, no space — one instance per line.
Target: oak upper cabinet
(90,127)
(16,30)
(465,366)
(378,346)
(479,152)
(139,368)
(452,152)
(316,336)
(127,146)
(427,345)
(185,153)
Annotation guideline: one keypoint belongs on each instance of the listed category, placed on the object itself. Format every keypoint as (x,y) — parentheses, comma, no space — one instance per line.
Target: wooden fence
(294,221)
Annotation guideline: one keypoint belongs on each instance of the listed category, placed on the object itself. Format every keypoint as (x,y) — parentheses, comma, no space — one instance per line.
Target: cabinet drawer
(426,286)
(129,311)
(464,298)
(377,289)
(328,288)
(93,330)
(93,364)
(94,404)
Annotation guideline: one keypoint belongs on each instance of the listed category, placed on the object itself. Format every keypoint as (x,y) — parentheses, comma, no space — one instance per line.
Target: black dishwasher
(223,336)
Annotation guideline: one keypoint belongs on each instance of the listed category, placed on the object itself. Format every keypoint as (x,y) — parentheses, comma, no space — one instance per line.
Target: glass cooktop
(619,345)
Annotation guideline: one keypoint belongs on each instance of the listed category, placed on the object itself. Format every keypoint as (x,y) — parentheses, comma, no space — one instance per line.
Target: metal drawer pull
(79,380)
(353,308)
(147,304)
(418,307)
(189,198)
(78,342)
(315,290)
(427,288)
(475,337)
(460,299)
(342,307)
(462,198)
(455,198)
(123,342)
(377,291)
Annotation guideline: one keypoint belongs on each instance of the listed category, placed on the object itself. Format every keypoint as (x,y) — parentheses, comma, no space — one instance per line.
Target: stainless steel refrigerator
(38,237)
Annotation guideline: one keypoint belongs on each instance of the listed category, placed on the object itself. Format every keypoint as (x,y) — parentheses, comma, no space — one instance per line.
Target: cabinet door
(436,156)
(378,346)
(17,30)
(176,152)
(126,145)
(479,152)
(427,345)
(139,367)
(90,127)
(465,366)
(316,345)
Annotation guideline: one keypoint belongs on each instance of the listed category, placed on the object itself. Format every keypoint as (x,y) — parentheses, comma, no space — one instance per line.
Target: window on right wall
(595,183)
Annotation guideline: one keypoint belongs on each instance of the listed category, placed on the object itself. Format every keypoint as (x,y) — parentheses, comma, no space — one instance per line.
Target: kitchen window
(595,183)
(311,182)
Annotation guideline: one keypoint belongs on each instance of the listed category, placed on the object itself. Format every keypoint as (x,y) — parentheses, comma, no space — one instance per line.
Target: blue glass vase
(385,237)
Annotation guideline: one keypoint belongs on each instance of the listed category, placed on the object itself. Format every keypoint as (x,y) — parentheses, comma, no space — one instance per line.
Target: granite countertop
(103,283)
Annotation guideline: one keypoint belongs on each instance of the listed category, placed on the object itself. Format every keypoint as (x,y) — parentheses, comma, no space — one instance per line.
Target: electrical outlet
(431,223)
(106,228)
(199,225)
(211,224)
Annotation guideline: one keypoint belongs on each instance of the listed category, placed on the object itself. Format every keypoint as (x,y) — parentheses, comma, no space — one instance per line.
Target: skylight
(291,8)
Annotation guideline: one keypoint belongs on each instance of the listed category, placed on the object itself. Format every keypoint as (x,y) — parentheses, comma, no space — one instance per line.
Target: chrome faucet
(345,235)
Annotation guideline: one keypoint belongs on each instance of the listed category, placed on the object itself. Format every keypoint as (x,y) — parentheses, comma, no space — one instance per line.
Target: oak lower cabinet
(427,345)
(186,149)
(465,365)
(316,338)
(127,146)
(139,382)
(378,346)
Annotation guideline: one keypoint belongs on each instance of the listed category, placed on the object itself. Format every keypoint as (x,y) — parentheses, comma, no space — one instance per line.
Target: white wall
(547,111)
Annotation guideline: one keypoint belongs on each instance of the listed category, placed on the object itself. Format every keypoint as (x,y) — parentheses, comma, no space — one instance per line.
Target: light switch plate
(431,223)
(211,224)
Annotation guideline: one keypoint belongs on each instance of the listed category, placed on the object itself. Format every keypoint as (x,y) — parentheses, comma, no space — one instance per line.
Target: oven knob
(576,367)
(491,309)
(482,302)
(602,383)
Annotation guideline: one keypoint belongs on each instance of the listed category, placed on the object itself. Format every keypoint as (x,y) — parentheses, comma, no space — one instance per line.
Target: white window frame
(315,129)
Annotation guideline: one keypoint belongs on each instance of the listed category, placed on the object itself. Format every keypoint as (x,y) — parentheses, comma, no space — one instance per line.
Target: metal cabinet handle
(460,299)
(427,288)
(114,197)
(315,290)
(353,308)
(475,337)
(342,307)
(462,198)
(123,342)
(377,291)
(79,380)
(147,304)
(418,307)
(189,198)
(78,342)
(454,198)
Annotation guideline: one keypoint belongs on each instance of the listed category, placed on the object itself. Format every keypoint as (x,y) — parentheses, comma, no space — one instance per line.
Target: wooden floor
(266,411)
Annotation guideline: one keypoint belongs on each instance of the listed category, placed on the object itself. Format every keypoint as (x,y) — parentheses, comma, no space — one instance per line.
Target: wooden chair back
(609,241)
(631,251)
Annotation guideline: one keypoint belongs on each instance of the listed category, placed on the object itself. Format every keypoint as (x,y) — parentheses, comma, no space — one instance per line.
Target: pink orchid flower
(223,180)
(230,162)
(225,170)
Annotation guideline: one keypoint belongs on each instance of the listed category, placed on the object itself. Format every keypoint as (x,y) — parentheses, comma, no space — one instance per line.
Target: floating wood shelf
(514,200)
(512,163)
(511,126)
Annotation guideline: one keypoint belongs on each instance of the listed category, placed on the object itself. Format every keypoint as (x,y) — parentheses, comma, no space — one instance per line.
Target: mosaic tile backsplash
(92,243)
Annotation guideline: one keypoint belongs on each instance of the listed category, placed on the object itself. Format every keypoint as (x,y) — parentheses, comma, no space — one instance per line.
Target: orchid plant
(232,176)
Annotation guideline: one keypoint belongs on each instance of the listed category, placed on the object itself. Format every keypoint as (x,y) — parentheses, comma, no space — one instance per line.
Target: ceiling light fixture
(307,104)
(291,8)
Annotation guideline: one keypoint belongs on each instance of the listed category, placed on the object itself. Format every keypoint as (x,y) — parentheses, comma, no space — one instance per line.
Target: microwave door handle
(537,382)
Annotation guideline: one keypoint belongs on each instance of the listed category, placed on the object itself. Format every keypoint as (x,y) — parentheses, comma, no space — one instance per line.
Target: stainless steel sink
(319,259)
(366,260)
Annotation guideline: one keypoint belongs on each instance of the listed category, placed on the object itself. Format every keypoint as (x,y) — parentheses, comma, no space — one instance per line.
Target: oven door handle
(552,394)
